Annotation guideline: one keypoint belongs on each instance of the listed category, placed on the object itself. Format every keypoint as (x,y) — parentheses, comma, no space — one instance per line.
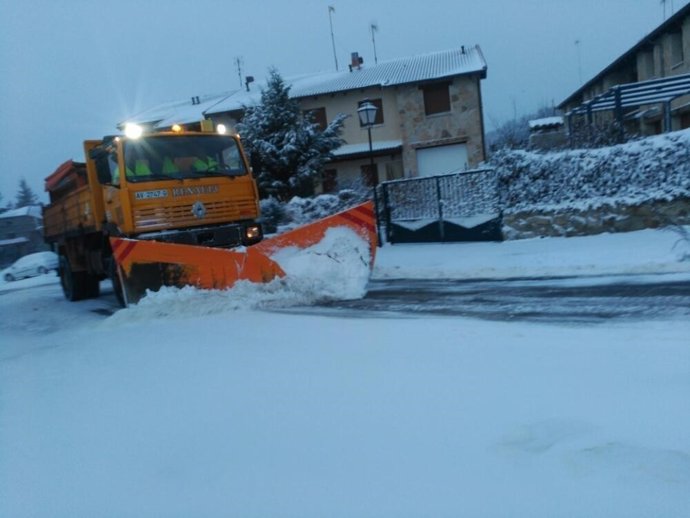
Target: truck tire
(93,286)
(74,284)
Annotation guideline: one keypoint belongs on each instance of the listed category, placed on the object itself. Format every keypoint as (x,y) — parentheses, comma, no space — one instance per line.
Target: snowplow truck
(171,208)
(193,188)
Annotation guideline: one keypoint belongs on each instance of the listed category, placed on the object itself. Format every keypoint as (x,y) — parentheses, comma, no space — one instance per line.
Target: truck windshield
(185,156)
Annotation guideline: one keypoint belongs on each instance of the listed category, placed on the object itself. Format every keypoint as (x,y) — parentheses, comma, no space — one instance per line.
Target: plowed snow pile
(337,268)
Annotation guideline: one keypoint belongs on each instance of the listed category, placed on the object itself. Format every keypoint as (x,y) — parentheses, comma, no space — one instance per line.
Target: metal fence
(456,207)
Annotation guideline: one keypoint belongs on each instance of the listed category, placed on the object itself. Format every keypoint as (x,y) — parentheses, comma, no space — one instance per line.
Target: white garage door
(442,159)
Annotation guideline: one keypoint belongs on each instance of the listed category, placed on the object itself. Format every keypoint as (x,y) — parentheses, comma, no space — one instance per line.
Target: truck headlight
(252,232)
(133,131)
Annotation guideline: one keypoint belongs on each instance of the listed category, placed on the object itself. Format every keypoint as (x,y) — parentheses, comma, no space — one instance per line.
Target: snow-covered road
(204,404)
(566,300)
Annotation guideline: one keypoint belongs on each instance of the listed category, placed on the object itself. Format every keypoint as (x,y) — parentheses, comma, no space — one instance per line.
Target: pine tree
(25,196)
(286,147)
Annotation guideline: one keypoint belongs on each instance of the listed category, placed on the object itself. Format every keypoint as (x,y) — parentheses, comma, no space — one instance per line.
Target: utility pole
(238,64)
(374,29)
(331,10)
(579,61)
(664,3)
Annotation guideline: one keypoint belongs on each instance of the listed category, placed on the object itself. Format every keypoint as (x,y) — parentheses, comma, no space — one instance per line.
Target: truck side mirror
(103,176)
(102,170)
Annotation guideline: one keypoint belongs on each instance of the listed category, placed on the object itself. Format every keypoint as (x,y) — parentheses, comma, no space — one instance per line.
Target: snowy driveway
(599,299)
(565,300)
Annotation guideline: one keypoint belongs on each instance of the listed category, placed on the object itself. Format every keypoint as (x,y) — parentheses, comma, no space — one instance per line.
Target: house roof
(13,241)
(545,122)
(415,69)
(632,52)
(32,210)
(179,111)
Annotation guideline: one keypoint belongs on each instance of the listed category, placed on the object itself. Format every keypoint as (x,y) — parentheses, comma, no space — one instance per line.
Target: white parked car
(32,265)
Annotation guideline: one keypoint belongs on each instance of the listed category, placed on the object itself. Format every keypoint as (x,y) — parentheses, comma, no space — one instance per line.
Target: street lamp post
(367,116)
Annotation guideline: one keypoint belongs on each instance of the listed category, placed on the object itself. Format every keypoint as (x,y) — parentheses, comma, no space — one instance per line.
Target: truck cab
(183,187)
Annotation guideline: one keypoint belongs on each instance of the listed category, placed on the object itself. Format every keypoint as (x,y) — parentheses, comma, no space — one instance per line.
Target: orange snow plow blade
(148,265)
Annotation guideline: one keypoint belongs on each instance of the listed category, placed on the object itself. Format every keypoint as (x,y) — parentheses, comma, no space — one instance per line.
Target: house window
(676,48)
(379,113)
(685,120)
(318,117)
(394,170)
(370,175)
(436,98)
(329,180)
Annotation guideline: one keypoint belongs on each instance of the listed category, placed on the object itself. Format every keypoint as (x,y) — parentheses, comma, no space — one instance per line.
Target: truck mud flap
(149,265)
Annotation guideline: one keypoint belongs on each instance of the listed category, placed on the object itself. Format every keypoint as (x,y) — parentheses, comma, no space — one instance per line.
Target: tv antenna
(374,29)
(331,10)
(579,60)
(664,4)
(238,64)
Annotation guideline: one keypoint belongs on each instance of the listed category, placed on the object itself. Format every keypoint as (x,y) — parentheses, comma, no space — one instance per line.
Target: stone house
(429,118)
(647,88)
(21,233)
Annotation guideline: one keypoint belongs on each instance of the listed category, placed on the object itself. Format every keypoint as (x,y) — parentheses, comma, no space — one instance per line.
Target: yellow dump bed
(71,210)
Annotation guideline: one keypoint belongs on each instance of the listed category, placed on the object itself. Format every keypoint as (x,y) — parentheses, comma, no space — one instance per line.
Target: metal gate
(456,207)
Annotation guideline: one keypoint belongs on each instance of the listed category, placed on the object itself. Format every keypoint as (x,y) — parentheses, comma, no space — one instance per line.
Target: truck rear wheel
(73,283)
(93,286)
(69,281)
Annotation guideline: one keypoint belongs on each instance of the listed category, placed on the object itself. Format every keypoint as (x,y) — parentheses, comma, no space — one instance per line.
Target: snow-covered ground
(646,251)
(210,404)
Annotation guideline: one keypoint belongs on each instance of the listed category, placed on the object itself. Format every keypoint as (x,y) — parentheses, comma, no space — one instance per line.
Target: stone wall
(606,218)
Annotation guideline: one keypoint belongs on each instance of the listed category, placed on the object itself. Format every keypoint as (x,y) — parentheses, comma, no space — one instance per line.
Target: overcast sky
(71,69)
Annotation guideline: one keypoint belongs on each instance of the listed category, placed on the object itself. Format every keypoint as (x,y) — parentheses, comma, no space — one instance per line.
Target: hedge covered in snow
(651,169)
(298,211)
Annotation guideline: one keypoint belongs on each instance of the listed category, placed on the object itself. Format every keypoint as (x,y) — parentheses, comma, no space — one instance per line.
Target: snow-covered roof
(13,241)
(31,210)
(545,122)
(425,67)
(355,149)
(180,111)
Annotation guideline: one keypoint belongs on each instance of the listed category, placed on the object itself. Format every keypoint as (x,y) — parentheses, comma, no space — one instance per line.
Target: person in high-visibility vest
(169,166)
(141,168)
(200,165)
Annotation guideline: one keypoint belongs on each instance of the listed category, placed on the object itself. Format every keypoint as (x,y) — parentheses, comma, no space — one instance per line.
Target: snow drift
(335,268)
